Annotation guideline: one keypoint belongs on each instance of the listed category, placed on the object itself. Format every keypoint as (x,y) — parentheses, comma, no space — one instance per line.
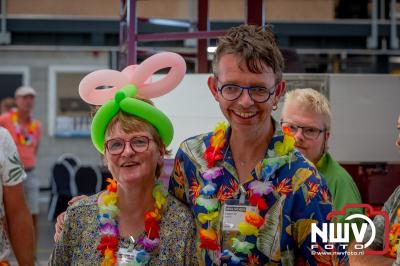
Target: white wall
(191,108)
(364,110)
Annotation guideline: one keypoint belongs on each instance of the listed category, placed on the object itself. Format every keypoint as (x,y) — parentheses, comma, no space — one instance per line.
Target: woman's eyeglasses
(117,146)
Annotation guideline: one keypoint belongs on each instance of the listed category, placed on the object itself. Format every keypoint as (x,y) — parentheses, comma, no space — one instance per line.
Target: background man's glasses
(117,146)
(259,94)
(308,132)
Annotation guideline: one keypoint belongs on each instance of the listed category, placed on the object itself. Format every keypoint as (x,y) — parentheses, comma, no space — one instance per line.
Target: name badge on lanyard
(126,256)
(233,213)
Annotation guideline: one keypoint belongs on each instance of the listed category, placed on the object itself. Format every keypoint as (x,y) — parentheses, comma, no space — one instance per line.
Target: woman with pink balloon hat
(134,221)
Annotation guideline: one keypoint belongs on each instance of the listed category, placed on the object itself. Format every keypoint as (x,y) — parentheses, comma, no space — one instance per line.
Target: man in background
(307,113)
(26,133)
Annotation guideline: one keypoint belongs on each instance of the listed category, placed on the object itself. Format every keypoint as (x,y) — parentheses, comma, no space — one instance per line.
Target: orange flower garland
(109,225)
(394,237)
(24,139)
(213,153)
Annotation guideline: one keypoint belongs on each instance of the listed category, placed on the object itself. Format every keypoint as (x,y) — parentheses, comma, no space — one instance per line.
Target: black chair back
(62,189)
(71,159)
(62,174)
(87,180)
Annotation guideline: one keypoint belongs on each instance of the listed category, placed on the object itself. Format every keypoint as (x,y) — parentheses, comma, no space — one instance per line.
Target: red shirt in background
(27,153)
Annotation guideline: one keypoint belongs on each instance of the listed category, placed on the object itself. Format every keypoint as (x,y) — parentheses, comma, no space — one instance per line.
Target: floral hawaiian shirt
(298,197)
(11,174)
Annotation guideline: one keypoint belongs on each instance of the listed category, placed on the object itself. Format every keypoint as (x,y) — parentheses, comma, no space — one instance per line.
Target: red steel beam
(255,12)
(168,36)
(202,44)
(129,35)
(132,32)
(122,33)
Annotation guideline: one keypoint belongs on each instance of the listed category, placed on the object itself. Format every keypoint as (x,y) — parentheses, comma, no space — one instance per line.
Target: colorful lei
(394,237)
(253,221)
(108,213)
(24,139)
(213,153)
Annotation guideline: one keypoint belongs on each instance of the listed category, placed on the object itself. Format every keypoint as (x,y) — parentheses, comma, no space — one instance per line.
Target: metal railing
(5,37)
(394,17)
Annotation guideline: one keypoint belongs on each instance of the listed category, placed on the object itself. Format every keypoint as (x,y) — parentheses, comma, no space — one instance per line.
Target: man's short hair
(254,45)
(312,101)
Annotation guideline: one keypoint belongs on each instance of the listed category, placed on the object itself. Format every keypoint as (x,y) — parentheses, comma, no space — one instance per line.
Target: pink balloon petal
(129,73)
(138,75)
(154,63)
(105,77)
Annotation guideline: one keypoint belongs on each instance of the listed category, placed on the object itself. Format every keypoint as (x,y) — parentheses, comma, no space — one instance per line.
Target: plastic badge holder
(125,256)
(233,213)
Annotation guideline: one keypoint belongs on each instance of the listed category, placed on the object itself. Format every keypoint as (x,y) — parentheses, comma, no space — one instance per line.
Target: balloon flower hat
(122,90)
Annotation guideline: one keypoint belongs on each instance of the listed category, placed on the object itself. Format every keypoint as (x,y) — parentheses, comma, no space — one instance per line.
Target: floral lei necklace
(394,236)
(108,212)
(253,221)
(24,138)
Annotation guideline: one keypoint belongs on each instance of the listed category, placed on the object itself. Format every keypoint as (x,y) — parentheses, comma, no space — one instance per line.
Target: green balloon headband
(122,96)
(132,106)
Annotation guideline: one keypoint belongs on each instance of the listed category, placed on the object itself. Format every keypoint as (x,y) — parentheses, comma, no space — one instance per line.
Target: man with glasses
(307,114)
(252,194)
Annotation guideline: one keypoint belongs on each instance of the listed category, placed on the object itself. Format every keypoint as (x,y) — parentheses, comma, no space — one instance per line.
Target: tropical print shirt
(298,198)
(11,174)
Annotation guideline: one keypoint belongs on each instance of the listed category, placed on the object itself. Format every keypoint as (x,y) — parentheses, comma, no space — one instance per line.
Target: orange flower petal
(254,219)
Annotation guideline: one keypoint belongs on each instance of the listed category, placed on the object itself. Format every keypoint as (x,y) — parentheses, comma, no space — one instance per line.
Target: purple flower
(261,188)
(149,244)
(109,229)
(212,173)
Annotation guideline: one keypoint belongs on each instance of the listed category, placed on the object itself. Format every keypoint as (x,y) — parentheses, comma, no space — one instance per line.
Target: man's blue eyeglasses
(259,94)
